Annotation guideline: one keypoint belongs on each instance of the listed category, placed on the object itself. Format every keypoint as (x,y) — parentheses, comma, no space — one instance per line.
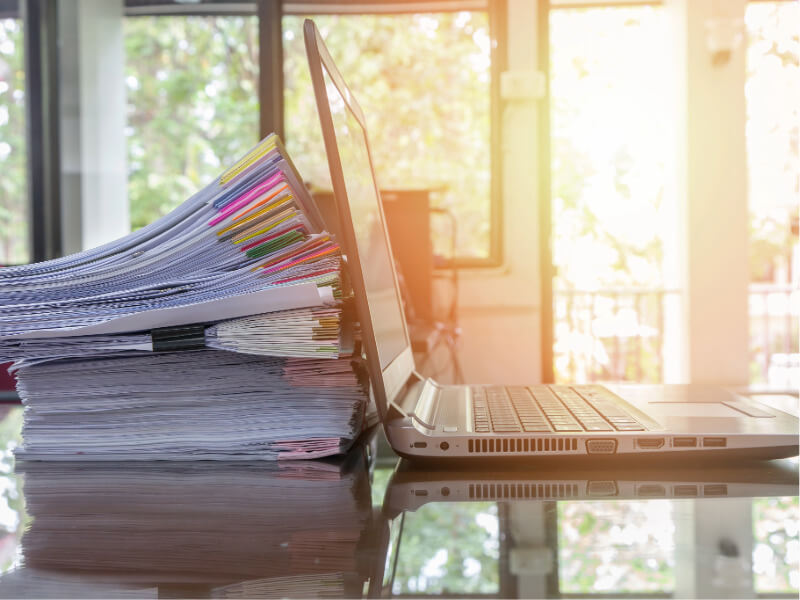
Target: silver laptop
(424,419)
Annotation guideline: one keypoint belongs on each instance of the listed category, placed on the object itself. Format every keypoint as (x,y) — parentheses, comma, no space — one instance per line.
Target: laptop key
(599,427)
(568,427)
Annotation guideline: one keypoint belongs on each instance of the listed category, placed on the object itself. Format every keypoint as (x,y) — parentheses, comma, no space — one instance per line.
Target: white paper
(271,299)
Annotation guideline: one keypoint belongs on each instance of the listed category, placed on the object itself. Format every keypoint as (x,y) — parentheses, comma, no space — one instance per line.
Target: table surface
(368,525)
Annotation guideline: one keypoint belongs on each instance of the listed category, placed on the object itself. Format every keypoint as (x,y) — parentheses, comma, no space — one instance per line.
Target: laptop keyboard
(548,408)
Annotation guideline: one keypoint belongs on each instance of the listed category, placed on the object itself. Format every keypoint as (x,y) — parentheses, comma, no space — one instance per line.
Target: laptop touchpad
(692,409)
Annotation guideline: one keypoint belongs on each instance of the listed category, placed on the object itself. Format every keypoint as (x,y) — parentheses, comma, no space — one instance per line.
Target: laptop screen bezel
(388,382)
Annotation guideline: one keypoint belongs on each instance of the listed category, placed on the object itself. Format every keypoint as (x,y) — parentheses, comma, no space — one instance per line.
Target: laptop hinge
(427,405)
(417,401)
(397,412)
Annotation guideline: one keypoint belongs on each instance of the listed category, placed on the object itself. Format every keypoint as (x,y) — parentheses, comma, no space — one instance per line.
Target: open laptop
(424,419)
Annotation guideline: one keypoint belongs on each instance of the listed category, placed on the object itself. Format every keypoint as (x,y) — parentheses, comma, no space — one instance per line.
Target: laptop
(427,420)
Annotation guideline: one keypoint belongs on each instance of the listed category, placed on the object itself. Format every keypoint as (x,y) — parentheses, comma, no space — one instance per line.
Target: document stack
(216,332)
(203,529)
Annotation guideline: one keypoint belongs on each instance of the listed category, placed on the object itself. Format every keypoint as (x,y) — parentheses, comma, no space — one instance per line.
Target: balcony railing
(613,334)
(634,335)
(774,332)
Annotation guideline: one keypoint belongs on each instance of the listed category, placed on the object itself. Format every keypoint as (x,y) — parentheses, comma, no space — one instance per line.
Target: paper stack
(251,242)
(293,529)
(180,341)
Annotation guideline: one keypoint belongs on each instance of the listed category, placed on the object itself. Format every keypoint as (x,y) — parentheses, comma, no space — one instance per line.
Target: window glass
(14,232)
(192,89)
(611,224)
(772,92)
(423,81)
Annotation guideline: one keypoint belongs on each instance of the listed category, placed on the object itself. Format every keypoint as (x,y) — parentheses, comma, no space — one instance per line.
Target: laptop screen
(376,263)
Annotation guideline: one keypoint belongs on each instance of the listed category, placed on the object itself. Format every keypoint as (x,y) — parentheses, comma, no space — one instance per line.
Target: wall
(500,308)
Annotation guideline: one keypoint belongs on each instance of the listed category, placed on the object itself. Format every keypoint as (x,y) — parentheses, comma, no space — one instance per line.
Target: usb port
(684,491)
(684,442)
(715,442)
(715,489)
(650,443)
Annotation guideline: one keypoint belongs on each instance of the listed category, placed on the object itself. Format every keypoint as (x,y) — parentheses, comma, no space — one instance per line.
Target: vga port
(601,446)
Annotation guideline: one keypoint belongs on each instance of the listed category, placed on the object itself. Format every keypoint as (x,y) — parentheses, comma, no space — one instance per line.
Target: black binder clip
(182,337)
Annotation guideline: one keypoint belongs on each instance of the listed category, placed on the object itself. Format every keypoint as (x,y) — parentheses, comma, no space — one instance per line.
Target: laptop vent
(494,491)
(521,445)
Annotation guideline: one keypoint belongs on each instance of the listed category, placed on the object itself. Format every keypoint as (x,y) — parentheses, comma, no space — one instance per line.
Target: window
(14,232)
(772,93)
(192,93)
(424,82)
(611,222)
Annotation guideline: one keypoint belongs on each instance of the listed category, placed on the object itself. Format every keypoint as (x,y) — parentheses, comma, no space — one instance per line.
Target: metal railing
(774,331)
(612,334)
(624,334)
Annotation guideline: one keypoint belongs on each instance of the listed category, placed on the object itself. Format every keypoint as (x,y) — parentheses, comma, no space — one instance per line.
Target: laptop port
(602,488)
(715,442)
(685,491)
(684,442)
(715,489)
(650,443)
(601,446)
(651,490)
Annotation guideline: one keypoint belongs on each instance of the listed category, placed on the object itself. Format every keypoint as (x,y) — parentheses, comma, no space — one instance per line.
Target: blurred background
(610,190)
(576,190)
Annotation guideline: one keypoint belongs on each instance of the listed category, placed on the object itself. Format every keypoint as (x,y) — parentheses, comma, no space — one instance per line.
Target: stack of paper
(304,332)
(203,404)
(199,529)
(174,342)
(249,243)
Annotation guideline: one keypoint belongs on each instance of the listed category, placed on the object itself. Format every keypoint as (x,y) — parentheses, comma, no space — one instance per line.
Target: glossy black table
(368,525)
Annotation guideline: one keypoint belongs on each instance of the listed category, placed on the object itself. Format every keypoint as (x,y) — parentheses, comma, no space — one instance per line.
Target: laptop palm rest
(692,409)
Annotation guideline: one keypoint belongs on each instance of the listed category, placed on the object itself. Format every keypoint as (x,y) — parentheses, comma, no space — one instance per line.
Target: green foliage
(423,82)
(613,225)
(13,159)
(609,145)
(776,556)
(773,127)
(12,504)
(433,561)
(192,85)
(616,547)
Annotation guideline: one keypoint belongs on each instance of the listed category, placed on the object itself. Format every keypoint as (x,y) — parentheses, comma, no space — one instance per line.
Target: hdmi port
(650,443)
(650,490)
